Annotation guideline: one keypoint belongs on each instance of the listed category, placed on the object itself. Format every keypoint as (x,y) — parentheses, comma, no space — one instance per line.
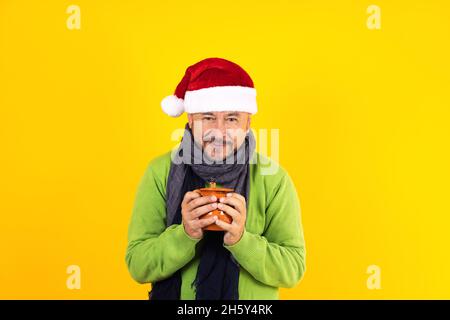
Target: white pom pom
(173,106)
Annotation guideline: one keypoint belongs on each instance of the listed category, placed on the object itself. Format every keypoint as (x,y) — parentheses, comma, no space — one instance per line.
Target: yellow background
(363,118)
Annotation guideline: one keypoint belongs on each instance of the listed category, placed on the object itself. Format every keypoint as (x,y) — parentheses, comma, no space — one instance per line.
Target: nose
(220,131)
(221,126)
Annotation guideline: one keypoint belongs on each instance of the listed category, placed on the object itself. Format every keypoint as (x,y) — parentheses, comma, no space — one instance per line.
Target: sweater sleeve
(277,257)
(155,252)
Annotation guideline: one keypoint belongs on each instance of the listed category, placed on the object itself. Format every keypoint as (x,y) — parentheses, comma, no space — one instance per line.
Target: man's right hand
(194,206)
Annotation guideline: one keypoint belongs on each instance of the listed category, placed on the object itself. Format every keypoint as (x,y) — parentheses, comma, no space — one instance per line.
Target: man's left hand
(234,205)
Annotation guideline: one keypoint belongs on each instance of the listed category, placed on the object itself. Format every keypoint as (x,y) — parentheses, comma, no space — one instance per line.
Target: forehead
(221,114)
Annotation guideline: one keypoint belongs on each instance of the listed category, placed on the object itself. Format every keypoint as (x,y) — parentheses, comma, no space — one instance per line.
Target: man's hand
(194,206)
(234,205)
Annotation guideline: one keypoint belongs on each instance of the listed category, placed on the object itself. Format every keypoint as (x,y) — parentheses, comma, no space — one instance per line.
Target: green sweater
(271,252)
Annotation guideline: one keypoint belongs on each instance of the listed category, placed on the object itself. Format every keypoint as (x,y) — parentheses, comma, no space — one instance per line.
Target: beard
(217,146)
(217,150)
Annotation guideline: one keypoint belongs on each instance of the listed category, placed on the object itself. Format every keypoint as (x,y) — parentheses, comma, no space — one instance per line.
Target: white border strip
(221,98)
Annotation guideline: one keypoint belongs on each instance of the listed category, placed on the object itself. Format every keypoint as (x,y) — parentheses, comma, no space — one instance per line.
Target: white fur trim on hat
(221,98)
(172,105)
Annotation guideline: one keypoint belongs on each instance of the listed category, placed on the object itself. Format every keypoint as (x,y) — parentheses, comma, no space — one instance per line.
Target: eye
(207,118)
(232,119)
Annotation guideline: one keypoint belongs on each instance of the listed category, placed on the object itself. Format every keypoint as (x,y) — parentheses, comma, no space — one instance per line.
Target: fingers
(199,201)
(197,212)
(236,202)
(233,198)
(237,217)
(195,205)
(189,196)
(225,226)
(201,223)
(237,196)
(232,202)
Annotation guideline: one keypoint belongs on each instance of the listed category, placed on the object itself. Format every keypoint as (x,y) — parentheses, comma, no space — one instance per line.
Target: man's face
(219,133)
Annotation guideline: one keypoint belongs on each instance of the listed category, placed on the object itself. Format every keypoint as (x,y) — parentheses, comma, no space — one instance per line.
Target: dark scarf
(218,272)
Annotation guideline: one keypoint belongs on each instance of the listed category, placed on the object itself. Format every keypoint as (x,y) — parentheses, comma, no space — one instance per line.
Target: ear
(190,120)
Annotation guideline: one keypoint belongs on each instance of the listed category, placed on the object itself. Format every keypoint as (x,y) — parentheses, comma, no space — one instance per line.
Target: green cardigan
(271,252)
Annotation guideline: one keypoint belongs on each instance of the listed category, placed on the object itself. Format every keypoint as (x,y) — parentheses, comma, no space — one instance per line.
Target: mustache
(211,138)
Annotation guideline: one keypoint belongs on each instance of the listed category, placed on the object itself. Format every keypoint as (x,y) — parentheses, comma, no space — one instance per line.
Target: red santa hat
(211,85)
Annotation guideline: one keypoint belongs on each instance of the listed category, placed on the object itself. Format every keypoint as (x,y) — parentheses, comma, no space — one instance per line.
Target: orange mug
(219,193)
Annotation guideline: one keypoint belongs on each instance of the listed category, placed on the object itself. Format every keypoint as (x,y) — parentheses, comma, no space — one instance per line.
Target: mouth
(218,145)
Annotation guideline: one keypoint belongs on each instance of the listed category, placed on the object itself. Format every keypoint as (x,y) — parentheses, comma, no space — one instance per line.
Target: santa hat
(211,85)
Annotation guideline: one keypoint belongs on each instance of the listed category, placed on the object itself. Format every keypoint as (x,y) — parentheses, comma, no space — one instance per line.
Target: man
(263,247)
